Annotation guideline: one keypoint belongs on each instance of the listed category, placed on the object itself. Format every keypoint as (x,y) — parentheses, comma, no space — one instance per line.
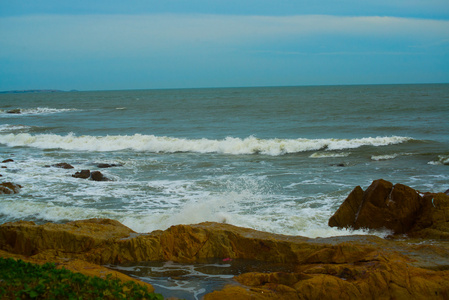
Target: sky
(149,44)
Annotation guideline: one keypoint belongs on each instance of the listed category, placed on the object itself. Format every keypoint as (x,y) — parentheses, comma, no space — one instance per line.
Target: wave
(326,155)
(384,157)
(10,128)
(34,111)
(442,160)
(158,144)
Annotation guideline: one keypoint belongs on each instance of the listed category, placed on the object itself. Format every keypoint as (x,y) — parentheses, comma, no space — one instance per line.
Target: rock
(447,192)
(351,267)
(95,175)
(398,208)
(9,188)
(345,215)
(108,165)
(14,111)
(84,174)
(98,176)
(7,160)
(63,166)
(433,219)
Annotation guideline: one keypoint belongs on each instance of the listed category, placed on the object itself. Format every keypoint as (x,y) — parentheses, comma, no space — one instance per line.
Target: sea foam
(35,111)
(164,144)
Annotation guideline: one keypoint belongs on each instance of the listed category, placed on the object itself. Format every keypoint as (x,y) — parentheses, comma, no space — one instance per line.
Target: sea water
(277,159)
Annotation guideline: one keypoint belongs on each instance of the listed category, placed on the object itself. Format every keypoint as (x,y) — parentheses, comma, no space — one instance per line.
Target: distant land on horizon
(33,91)
(74,90)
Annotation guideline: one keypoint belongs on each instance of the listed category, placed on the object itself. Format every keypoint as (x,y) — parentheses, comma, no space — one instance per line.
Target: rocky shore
(413,263)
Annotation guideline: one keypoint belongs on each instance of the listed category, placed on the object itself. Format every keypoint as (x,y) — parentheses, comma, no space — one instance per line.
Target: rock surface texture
(398,208)
(9,188)
(346,267)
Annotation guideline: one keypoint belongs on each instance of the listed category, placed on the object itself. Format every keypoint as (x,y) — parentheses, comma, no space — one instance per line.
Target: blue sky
(112,45)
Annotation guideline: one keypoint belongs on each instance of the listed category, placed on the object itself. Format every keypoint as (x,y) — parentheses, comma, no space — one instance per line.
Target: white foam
(36,111)
(157,144)
(384,157)
(329,154)
(10,128)
(442,160)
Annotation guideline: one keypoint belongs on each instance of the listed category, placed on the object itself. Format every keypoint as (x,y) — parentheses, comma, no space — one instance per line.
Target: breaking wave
(164,144)
(10,128)
(34,111)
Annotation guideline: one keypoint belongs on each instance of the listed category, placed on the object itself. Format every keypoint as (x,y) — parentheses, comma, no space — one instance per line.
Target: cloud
(53,36)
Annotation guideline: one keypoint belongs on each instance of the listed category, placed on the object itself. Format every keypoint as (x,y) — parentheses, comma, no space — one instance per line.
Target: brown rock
(108,165)
(84,174)
(98,176)
(63,166)
(7,160)
(382,205)
(9,188)
(351,267)
(345,215)
(14,111)
(433,219)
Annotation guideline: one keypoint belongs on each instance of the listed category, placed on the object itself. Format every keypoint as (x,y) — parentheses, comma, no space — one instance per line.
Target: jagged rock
(98,176)
(83,174)
(351,267)
(433,219)
(9,188)
(7,160)
(398,208)
(63,166)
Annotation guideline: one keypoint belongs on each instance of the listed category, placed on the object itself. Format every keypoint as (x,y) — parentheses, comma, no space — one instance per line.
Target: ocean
(276,159)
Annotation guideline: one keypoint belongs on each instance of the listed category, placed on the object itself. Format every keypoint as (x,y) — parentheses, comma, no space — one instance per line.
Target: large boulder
(398,208)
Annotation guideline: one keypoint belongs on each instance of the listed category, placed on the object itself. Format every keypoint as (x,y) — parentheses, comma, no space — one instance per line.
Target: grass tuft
(22,280)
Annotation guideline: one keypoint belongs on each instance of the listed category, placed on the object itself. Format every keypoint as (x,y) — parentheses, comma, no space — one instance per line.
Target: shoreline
(368,266)
(409,264)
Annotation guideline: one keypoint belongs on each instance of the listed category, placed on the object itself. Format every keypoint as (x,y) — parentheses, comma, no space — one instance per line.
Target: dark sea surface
(277,159)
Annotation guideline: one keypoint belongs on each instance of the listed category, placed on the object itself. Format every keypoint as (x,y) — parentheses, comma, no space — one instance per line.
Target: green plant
(22,280)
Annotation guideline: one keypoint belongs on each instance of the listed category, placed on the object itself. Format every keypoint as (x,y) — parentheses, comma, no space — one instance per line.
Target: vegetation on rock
(22,280)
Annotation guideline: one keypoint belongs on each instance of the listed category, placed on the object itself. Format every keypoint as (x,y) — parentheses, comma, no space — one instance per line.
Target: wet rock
(447,192)
(94,175)
(7,160)
(98,176)
(338,165)
(351,267)
(63,166)
(108,165)
(83,174)
(398,208)
(14,111)
(9,188)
